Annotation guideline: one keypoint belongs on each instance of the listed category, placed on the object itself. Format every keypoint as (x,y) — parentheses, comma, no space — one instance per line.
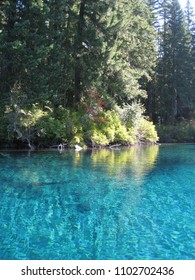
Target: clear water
(135,203)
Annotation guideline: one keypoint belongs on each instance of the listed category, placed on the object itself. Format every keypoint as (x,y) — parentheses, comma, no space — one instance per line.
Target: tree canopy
(82,71)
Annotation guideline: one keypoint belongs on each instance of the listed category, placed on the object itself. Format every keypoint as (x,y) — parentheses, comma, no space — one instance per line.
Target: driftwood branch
(114,146)
(57,146)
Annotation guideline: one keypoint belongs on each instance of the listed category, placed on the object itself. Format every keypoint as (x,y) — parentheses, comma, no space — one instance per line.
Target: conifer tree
(173,68)
(190,18)
(130,50)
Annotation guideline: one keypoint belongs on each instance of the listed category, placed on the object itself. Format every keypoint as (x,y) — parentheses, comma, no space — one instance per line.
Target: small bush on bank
(146,131)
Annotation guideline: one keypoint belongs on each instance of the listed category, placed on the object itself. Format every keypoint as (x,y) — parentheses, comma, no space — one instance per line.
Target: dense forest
(96,73)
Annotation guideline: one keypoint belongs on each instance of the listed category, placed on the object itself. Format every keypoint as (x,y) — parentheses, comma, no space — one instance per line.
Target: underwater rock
(83,207)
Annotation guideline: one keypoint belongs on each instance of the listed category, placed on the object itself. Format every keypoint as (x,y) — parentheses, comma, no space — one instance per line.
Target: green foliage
(79,127)
(172,91)
(138,128)
(182,132)
(99,138)
(131,114)
(130,50)
(146,132)
(23,123)
(115,130)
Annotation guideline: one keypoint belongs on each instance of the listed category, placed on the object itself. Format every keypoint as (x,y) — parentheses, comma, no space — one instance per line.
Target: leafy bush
(131,114)
(23,122)
(146,132)
(99,138)
(63,126)
(114,130)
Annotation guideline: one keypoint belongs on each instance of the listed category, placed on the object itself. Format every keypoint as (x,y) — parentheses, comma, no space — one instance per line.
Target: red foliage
(94,105)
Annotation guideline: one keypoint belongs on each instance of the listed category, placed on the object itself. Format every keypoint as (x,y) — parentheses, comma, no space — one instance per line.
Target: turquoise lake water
(135,203)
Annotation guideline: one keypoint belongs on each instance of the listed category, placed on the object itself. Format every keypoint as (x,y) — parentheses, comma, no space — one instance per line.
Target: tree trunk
(174,106)
(78,48)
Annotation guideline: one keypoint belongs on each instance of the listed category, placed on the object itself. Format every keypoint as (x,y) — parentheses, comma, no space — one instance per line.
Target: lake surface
(135,203)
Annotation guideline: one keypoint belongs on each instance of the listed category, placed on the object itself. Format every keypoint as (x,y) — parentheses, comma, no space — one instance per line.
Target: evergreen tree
(173,68)
(190,18)
(130,50)
(189,13)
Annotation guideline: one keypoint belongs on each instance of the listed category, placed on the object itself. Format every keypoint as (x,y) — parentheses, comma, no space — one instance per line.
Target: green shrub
(146,132)
(99,138)
(182,132)
(130,114)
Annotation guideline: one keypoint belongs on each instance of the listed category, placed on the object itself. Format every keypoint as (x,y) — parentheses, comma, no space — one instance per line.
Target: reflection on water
(101,204)
(137,160)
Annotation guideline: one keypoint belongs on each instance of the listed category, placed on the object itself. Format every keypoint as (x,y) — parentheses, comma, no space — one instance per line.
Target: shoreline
(91,149)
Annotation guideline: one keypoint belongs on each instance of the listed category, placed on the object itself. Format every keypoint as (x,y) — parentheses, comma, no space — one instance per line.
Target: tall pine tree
(173,91)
